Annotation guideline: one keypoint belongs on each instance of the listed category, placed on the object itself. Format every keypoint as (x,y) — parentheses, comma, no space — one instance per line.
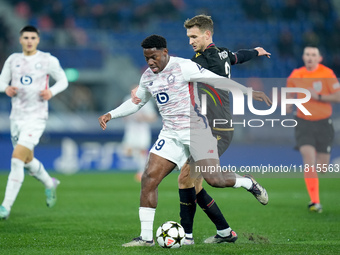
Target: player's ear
(165,51)
(207,34)
(320,59)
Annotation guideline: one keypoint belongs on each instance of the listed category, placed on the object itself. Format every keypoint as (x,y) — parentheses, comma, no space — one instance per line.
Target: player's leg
(308,154)
(324,136)
(156,169)
(187,198)
(203,148)
(209,206)
(15,179)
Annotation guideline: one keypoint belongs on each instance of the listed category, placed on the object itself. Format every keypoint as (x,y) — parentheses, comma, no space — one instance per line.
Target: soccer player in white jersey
(28,72)
(185,130)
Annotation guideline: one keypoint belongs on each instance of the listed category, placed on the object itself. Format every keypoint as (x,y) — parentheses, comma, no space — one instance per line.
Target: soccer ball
(170,235)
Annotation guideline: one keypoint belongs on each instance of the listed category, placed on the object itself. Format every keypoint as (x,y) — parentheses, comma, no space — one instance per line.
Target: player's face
(156,59)
(29,42)
(311,57)
(197,39)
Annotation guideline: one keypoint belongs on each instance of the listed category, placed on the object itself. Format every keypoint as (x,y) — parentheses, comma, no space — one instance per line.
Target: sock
(15,180)
(208,205)
(224,232)
(243,182)
(37,170)
(146,217)
(312,184)
(187,204)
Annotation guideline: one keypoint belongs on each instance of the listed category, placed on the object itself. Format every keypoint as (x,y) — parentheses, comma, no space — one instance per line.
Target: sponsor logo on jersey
(197,55)
(223,54)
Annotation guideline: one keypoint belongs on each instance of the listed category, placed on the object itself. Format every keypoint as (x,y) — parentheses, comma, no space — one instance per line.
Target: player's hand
(314,94)
(11,91)
(46,94)
(261,96)
(103,120)
(134,98)
(262,52)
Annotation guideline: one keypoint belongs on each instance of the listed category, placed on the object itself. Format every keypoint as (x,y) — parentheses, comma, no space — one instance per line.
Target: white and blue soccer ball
(170,235)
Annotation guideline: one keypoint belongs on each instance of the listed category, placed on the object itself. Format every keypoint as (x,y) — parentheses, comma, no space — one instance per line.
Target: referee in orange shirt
(314,133)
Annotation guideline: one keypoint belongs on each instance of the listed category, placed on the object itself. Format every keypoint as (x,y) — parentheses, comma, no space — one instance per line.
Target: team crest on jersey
(171,79)
(151,83)
(317,86)
(38,66)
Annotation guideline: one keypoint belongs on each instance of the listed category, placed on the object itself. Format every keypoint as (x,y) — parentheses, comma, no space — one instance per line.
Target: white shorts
(177,146)
(27,132)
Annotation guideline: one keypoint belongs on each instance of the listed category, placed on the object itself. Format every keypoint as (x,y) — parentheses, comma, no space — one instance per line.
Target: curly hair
(154,41)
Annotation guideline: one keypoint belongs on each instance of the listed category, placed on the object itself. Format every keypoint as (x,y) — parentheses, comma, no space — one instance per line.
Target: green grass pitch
(97,212)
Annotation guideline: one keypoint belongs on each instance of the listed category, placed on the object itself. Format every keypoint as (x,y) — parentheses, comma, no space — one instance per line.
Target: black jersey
(217,60)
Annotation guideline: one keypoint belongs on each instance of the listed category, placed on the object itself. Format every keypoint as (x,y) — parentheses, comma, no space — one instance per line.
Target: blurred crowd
(292,23)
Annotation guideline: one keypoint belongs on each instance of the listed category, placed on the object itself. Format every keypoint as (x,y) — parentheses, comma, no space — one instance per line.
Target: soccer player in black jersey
(219,61)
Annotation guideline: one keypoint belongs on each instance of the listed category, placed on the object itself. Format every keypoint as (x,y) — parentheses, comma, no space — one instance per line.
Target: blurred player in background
(137,135)
(200,31)
(314,133)
(185,130)
(28,72)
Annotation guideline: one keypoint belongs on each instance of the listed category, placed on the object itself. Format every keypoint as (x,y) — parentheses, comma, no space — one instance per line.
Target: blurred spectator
(57,14)
(291,10)
(286,45)
(310,38)
(23,10)
(256,9)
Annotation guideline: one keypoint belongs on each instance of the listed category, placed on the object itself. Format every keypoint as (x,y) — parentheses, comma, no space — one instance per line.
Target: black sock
(208,205)
(187,200)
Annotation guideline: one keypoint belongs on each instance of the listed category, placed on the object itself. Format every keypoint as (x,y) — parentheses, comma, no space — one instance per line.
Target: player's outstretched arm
(262,52)
(261,96)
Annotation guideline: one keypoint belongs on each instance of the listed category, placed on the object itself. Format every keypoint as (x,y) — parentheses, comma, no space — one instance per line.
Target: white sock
(146,216)
(37,169)
(243,182)
(15,180)
(188,235)
(224,232)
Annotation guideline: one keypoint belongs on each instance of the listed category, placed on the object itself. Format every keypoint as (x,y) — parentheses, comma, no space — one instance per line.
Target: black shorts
(223,140)
(319,134)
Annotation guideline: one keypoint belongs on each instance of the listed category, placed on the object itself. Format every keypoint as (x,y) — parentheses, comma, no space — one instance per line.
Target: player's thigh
(27,133)
(223,141)
(156,169)
(324,133)
(203,145)
(171,149)
(304,133)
